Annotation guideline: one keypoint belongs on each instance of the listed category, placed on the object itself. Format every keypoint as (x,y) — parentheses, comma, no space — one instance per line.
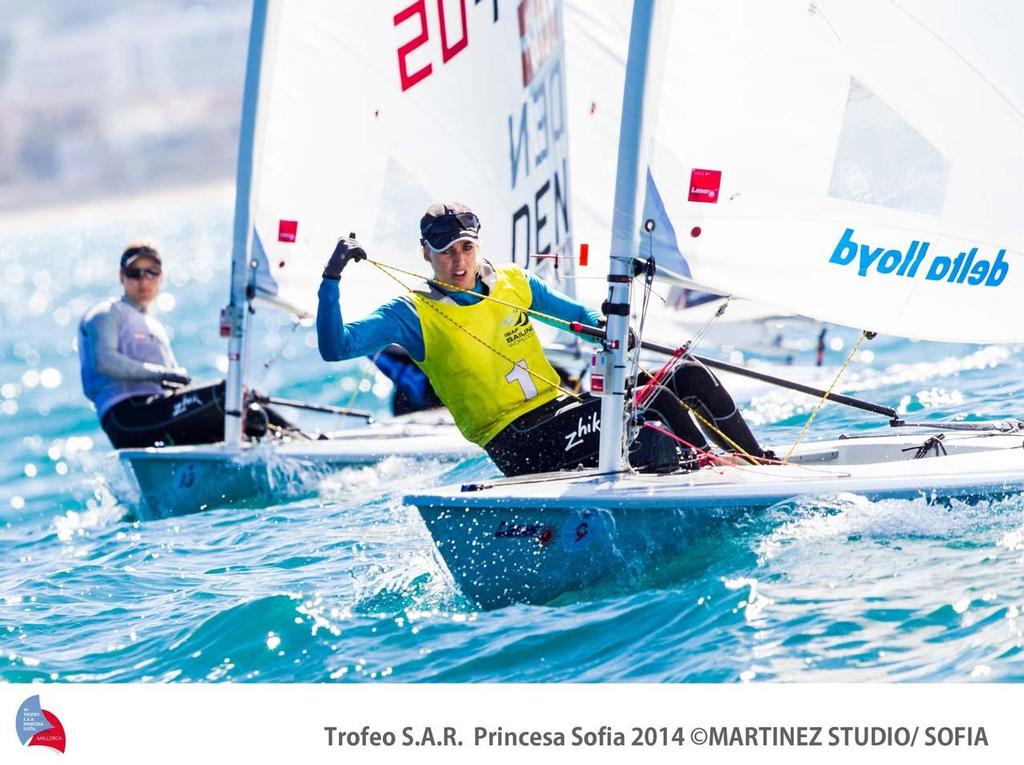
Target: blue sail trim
(666,246)
(262,280)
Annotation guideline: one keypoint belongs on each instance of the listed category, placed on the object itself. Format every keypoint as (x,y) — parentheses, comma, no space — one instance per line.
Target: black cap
(135,251)
(445,223)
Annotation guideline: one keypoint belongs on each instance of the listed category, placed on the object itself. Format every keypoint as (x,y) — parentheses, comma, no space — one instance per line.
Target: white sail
(368,112)
(856,162)
(596,46)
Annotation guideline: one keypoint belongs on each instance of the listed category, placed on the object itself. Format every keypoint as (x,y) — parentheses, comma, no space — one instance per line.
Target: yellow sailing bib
(479,358)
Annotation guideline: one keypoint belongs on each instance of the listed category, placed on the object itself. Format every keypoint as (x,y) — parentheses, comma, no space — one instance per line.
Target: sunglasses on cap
(138,273)
(445,229)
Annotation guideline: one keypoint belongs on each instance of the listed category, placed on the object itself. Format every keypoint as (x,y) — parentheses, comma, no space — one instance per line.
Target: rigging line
(699,336)
(725,461)
(385,267)
(701,333)
(482,342)
(631,431)
(365,375)
(864,336)
(981,76)
(702,454)
(275,358)
(713,428)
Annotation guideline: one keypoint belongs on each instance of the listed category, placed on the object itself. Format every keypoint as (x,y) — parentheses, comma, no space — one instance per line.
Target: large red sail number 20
(448,51)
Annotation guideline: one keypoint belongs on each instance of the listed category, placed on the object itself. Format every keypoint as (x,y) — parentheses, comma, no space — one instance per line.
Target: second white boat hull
(179,480)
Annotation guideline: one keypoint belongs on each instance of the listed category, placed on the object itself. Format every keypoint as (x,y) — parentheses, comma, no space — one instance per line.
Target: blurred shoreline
(219,193)
(106,98)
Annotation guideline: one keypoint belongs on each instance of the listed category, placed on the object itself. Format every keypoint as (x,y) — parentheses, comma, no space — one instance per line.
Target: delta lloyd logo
(39,727)
(915,262)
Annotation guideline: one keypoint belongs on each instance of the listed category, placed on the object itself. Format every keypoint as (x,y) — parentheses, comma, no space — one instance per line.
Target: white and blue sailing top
(123,351)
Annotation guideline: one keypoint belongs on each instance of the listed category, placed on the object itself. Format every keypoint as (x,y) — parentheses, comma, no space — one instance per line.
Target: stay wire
(681,355)
(266,365)
(632,429)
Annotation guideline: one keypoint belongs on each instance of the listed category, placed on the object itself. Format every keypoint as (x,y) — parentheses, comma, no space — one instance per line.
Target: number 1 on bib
(520,374)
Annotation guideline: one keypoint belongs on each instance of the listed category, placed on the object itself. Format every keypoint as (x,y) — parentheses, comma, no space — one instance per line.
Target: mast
(235,317)
(629,183)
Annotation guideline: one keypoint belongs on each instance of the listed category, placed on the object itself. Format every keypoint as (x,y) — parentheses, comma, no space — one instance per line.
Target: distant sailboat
(858,163)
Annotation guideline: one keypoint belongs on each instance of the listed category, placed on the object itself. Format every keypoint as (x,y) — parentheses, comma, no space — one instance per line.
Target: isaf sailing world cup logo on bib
(39,727)
(520,328)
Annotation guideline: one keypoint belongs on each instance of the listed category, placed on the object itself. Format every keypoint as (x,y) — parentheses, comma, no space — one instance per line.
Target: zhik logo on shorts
(584,426)
(39,727)
(180,407)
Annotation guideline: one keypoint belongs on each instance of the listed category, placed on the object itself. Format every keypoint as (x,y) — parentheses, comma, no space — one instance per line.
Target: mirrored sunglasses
(445,229)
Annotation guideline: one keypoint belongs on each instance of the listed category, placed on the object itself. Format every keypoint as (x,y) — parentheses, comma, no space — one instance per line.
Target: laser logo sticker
(287,230)
(39,727)
(705,185)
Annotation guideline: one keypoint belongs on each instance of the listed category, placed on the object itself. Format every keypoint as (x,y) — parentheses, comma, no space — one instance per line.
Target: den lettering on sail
(915,261)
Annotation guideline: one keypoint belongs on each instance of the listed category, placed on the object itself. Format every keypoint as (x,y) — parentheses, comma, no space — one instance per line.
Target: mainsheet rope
(865,335)
(386,269)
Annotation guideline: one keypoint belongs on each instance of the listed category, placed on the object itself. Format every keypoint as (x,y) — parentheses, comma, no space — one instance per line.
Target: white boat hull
(529,540)
(179,480)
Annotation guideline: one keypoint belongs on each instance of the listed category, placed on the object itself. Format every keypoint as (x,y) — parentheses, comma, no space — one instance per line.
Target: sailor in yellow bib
(485,360)
(469,331)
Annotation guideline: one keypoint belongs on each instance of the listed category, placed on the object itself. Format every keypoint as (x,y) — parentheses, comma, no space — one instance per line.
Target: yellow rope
(458,326)
(807,425)
(385,267)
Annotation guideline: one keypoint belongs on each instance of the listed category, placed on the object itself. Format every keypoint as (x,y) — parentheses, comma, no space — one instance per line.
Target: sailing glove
(347,249)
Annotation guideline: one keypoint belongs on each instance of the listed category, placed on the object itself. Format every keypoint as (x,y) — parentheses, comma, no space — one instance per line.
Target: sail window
(882,160)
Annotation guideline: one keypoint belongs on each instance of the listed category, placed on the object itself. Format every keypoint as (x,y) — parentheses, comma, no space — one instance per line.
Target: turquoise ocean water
(336,580)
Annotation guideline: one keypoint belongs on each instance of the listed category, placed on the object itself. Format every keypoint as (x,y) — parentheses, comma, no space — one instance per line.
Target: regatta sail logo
(915,262)
(39,727)
(520,329)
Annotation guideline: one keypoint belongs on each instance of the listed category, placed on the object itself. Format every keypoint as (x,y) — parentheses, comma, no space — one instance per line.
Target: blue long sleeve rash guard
(397,322)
